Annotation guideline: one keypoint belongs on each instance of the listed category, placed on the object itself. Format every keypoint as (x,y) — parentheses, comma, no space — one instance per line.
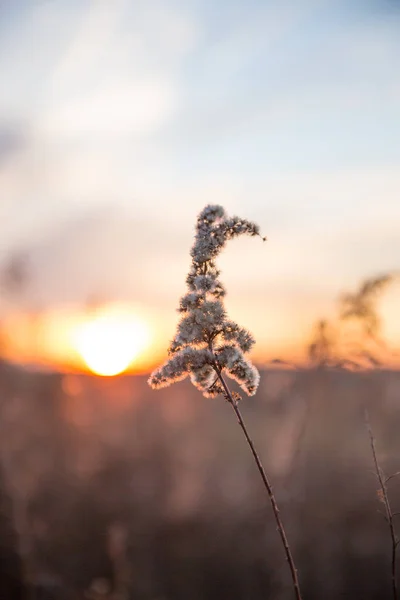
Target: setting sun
(110,340)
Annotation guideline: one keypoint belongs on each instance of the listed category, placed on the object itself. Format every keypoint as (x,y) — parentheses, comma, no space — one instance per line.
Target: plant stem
(385,498)
(268,487)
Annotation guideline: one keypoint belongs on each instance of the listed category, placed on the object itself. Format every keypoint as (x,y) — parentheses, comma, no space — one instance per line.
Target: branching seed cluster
(206,341)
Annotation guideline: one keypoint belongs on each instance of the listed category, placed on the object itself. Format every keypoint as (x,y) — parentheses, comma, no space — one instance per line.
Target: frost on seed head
(206,341)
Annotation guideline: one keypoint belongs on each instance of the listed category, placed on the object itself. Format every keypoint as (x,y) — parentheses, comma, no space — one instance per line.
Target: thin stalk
(268,486)
(385,499)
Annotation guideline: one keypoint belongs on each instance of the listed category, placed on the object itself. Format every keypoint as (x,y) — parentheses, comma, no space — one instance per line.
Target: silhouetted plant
(384,498)
(208,345)
(333,346)
(361,305)
(321,349)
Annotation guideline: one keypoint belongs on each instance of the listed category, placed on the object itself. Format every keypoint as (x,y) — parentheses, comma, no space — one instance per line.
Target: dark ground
(110,490)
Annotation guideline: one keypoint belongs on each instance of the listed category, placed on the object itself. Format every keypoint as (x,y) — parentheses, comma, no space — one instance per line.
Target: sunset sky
(121,119)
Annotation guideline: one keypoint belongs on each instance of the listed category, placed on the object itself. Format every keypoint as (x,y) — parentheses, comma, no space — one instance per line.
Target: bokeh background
(119,121)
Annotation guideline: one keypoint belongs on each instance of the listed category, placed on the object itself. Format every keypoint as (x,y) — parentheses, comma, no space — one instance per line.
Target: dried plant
(208,346)
(384,498)
(333,345)
(321,349)
(361,305)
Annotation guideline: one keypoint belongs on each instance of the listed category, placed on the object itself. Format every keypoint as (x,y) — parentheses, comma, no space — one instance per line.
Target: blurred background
(119,121)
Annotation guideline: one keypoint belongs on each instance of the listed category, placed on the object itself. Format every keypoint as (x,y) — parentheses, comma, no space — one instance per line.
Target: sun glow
(110,340)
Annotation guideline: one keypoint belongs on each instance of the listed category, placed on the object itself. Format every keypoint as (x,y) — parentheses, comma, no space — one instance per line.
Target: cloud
(124,109)
(102,85)
(99,67)
(96,26)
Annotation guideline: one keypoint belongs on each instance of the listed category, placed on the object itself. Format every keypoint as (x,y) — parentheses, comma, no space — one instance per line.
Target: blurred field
(112,491)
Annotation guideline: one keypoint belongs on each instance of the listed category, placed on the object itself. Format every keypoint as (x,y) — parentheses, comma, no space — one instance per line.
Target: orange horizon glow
(108,340)
(123,338)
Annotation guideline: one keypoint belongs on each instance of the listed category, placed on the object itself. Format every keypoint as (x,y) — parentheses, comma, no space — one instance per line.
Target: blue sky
(120,120)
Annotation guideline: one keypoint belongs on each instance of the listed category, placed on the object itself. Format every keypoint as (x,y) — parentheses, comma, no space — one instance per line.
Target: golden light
(111,339)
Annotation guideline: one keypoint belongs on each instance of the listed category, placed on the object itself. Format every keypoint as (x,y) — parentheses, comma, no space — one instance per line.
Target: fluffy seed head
(206,340)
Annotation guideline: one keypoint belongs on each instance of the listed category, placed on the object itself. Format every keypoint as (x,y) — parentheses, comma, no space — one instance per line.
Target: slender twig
(385,499)
(268,487)
(392,476)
